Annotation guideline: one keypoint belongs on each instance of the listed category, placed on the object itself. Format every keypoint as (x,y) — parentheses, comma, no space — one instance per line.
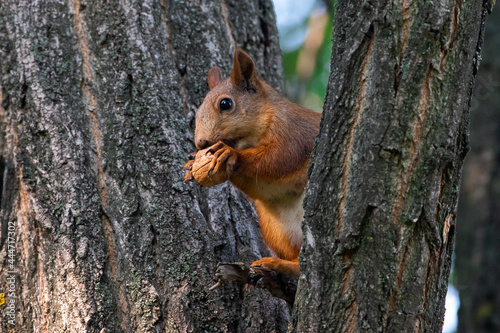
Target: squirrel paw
(188,167)
(225,158)
(286,267)
(278,276)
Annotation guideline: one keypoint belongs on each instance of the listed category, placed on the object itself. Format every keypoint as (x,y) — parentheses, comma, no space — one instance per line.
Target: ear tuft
(214,77)
(244,74)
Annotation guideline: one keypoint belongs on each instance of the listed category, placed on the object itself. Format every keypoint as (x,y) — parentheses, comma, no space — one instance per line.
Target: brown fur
(263,144)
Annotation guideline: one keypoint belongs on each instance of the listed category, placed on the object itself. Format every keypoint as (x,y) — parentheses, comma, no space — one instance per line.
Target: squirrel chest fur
(262,143)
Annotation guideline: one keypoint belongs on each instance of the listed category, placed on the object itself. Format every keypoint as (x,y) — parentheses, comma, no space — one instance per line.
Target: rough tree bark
(385,172)
(478,231)
(99,233)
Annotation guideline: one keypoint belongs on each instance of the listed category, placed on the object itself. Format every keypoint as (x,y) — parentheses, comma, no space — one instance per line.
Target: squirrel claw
(188,179)
(188,166)
(215,147)
(212,167)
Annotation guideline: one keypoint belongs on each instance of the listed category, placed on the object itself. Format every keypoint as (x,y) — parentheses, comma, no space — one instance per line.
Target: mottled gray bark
(478,230)
(385,172)
(97,99)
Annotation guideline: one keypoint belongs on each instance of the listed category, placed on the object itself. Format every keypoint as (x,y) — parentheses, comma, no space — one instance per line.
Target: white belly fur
(286,216)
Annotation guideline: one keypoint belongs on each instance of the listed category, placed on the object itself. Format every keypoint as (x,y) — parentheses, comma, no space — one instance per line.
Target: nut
(200,168)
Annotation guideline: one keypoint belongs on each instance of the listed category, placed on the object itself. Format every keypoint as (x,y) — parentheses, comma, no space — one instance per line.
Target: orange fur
(263,143)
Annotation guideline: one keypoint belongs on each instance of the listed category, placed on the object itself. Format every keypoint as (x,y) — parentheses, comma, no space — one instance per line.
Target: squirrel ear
(244,74)
(214,77)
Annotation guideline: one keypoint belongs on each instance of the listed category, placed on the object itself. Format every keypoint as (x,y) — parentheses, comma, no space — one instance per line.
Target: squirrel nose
(201,144)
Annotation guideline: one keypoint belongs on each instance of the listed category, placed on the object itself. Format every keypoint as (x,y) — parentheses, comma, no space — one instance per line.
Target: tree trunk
(478,232)
(385,172)
(99,233)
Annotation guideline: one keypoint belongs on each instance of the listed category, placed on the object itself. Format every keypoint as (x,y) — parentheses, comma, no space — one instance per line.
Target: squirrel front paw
(225,159)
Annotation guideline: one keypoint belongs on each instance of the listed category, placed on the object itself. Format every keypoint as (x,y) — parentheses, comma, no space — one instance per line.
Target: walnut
(200,170)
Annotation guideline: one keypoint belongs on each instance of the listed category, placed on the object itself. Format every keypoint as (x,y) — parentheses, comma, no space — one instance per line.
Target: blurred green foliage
(310,92)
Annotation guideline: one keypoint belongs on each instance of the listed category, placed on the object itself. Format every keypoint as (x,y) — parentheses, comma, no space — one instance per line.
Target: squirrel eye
(225,104)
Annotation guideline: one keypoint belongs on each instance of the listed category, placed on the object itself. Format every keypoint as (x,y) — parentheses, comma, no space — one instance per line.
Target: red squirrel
(263,143)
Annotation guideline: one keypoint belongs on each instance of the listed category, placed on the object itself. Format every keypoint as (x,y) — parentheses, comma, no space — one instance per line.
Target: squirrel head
(234,110)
